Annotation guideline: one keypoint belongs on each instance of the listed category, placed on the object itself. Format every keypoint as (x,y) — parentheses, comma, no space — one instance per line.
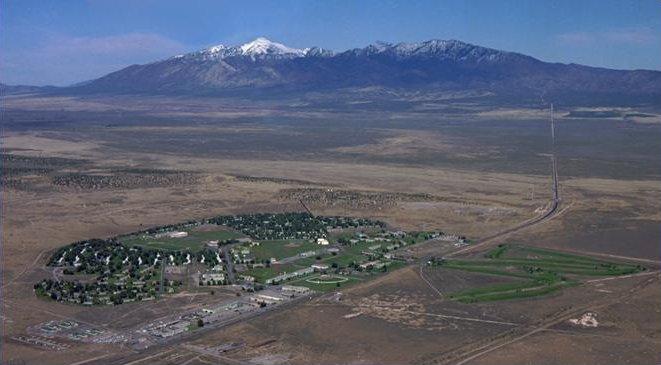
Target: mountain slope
(431,65)
(23,89)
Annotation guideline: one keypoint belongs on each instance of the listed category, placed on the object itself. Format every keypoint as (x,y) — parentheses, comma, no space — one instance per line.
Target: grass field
(194,241)
(344,258)
(542,272)
(263,273)
(282,248)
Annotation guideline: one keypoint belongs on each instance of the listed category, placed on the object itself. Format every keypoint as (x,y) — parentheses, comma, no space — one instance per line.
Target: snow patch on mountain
(263,46)
(260,48)
(437,49)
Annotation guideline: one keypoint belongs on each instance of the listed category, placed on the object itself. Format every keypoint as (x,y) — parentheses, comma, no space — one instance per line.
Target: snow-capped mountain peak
(260,48)
(434,65)
(216,49)
(263,46)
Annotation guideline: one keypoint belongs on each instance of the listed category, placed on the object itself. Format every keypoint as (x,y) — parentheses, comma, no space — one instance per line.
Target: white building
(177,234)
(295,289)
(291,275)
(213,276)
(319,267)
(266,298)
(322,241)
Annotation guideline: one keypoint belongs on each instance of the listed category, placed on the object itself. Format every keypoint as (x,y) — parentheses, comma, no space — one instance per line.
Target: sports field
(194,241)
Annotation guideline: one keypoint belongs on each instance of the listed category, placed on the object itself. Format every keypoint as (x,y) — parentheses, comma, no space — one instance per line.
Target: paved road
(227,256)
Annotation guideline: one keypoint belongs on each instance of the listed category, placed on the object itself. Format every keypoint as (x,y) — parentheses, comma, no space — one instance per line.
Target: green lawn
(346,256)
(261,274)
(282,248)
(194,241)
(546,271)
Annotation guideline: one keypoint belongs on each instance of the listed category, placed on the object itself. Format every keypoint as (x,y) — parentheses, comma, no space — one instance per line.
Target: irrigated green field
(541,272)
(280,249)
(263,273)
(194,241)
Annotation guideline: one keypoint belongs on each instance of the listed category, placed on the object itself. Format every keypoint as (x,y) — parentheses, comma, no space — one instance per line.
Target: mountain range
(433,66)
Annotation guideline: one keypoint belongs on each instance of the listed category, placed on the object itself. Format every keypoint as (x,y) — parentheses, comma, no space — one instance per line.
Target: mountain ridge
(430,65)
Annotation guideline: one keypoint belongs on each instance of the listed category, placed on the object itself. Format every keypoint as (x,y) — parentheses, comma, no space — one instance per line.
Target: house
(295,289)
(177,234)
(247,278)
(307,253)
(266,298)
(371,254)
(372,265)
(322,241)
(287,276)
(319,267)
(213,276)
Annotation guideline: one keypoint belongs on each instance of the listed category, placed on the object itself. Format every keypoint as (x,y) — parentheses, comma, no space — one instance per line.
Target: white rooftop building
(177,234)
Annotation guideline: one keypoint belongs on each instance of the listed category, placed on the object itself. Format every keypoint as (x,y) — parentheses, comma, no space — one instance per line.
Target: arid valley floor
(461,168)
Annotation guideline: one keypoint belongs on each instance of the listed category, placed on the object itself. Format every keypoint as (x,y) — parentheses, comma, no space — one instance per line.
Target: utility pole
(552,126)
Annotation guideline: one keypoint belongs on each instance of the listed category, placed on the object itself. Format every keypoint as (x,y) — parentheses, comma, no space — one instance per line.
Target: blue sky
(62,42)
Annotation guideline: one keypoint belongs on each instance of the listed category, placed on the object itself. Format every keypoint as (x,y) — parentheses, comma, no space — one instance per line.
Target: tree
(200,322)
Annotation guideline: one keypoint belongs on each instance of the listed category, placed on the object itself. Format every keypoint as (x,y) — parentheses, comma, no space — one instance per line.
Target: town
(254,251)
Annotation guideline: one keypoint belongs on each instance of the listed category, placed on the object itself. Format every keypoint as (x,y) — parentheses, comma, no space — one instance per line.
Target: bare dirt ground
(482,179)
